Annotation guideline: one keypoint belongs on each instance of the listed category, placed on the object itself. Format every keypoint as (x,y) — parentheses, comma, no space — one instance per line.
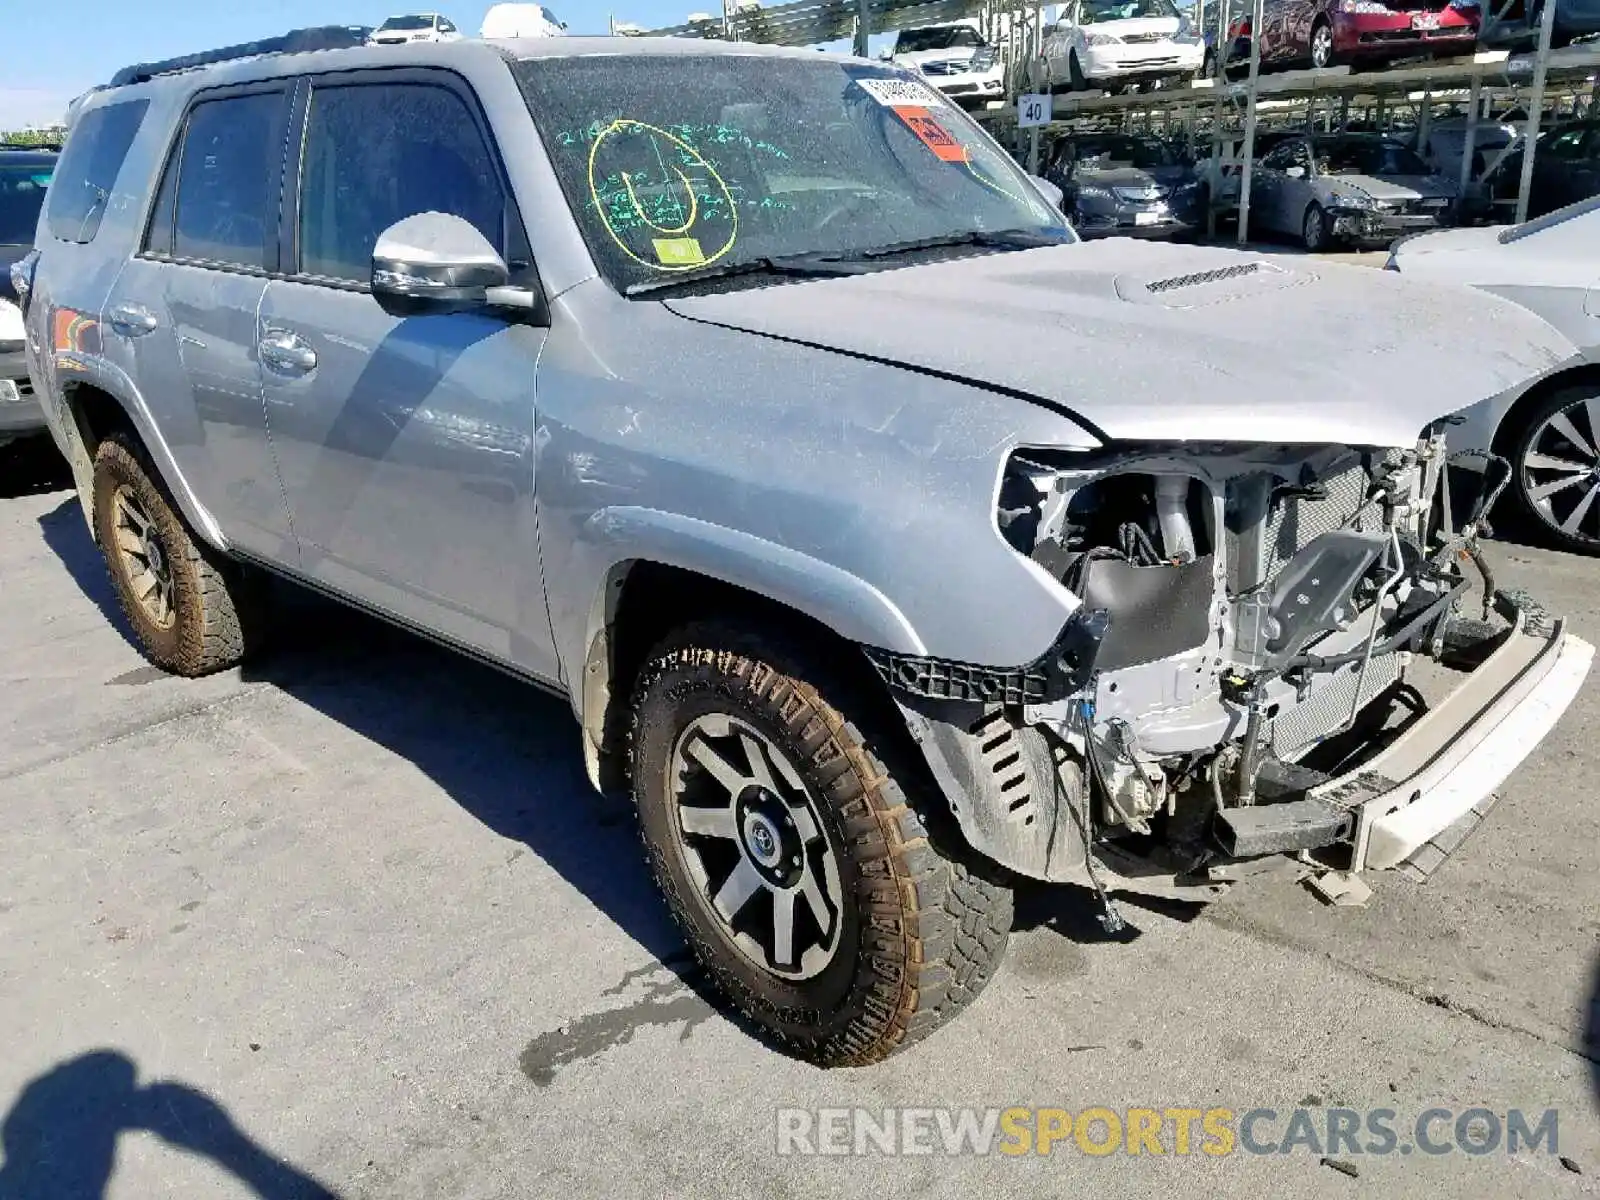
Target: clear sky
(56,50)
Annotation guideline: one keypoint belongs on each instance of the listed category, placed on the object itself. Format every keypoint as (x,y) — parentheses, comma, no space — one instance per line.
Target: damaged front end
(1233,692)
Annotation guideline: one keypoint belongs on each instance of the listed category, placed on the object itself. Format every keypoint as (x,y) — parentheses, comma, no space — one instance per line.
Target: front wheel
(1314,230)
(1322,45)
(1557,463)
(1075,76)
(792,858)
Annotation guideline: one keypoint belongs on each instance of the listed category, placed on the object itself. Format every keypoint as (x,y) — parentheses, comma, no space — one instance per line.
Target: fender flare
(624,535)
(104,376)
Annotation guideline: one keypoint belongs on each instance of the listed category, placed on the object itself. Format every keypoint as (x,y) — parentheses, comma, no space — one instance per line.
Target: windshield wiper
(994,239)
(804,265)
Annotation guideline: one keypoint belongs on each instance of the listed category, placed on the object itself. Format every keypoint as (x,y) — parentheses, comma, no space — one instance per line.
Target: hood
(1145,341)
(1135,26)
(1394,187)
(949,53)
(1131,177)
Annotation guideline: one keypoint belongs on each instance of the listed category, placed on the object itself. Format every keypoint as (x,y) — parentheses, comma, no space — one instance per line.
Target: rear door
(406,441)
(185,308)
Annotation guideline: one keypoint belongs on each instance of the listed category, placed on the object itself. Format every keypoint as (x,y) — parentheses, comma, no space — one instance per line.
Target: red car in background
(1325,33)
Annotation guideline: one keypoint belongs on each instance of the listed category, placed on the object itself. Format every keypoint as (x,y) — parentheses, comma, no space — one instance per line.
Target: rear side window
(88,169)
(228,171)
(377,153)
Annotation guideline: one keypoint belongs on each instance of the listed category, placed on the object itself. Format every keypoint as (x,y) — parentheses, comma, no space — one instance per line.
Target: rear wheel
(1557,463)
(792,858)
(193,611)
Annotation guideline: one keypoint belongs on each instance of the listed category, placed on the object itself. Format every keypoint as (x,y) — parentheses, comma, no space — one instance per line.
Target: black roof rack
(296,41)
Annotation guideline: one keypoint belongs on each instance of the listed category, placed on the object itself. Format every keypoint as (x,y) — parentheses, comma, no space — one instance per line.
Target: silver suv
(890,544)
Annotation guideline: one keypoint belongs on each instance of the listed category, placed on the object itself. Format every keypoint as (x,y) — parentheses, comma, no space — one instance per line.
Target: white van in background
(521,21)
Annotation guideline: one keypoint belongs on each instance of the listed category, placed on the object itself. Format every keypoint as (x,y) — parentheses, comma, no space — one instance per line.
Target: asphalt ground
(351,920)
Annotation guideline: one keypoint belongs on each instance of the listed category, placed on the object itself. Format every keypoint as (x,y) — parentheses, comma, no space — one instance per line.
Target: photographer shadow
(60,1137)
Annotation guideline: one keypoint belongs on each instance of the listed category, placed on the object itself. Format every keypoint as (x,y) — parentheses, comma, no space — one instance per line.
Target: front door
(406,442)
(183,312)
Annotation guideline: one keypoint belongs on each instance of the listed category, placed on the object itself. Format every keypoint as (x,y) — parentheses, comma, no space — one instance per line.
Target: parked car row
(501,21)
(1367,33)
(1357,189)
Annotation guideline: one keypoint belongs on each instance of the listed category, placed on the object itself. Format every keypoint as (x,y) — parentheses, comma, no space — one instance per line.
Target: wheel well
(97,415)
(652,600)
(1587,375)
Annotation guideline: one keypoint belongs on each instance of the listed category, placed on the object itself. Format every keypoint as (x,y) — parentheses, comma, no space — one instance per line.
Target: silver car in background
(1356,189)
(1549,434)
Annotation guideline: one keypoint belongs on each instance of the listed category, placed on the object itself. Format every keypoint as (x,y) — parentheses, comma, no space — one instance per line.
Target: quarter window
(227,195)
(378,153)
(88,169)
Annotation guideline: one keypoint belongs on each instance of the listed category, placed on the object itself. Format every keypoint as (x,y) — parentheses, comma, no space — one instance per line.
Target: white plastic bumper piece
(1446,767)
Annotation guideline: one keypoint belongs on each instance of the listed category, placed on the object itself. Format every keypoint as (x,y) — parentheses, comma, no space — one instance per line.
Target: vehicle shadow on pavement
(65,532)
(31,467)
(1591,1034)
(60,1137)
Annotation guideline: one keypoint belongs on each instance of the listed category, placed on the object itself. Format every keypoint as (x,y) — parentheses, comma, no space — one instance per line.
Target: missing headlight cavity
(1136,543)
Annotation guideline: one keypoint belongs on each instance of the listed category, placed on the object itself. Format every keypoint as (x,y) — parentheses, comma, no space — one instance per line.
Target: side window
(445,26)
(375,154)
(88,169)
(228,171)
(1281,156)
(1566,146)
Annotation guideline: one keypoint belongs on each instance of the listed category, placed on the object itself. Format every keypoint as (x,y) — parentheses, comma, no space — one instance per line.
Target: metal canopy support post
(1470,146)
(863,28)
(1530,137)
(1248,151)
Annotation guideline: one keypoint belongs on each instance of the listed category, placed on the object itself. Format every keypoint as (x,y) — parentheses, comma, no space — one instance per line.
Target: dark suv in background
(25,173)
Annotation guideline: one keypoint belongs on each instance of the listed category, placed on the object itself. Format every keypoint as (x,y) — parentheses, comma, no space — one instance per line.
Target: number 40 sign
(1033,110)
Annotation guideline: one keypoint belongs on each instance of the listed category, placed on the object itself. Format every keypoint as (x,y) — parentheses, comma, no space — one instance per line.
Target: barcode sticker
(897,93)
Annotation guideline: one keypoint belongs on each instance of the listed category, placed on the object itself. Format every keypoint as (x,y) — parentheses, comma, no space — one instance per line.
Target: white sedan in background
(1115,43)
(1549,431)
(417,27)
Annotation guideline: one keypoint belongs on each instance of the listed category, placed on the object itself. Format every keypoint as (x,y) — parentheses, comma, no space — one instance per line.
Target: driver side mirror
(886,55)
(435,262)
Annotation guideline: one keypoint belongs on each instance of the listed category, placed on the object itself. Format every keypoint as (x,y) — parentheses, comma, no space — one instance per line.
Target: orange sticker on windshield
(932,134)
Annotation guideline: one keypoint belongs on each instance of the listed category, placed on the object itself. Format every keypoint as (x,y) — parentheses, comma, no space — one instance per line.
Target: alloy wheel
(1561,471)
(145,562)
(1315,231)
(1322,46)
(756,847)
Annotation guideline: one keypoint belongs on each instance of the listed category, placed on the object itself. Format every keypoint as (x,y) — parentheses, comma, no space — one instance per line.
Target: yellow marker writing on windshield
(674,253)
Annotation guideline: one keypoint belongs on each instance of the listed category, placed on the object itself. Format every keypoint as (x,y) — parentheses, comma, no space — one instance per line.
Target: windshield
(1095,11)
(910,41)
(22,188)
(1367,158)
(673,163)
(549,16)
(1123,152)
(399,23)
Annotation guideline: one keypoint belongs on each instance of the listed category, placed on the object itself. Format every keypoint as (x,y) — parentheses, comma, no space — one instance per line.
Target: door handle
(132,320)
(286,351)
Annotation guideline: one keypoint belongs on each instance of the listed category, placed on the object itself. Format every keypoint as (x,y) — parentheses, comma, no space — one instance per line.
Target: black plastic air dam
(1156,612)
